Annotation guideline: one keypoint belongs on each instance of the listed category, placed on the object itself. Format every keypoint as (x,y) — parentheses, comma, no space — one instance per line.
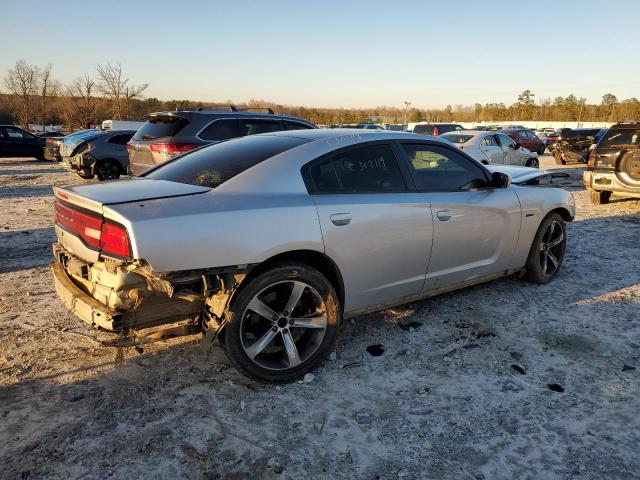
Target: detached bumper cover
(84,306)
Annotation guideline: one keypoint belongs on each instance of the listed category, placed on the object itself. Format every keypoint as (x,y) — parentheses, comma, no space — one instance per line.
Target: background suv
(167,134)
(614,165)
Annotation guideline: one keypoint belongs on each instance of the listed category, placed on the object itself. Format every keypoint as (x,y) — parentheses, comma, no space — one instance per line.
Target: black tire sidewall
(99,172)
(232,334)
(533,267)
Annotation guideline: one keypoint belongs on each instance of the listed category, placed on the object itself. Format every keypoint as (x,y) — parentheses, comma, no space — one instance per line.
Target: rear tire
(541,150)
(107,170)
(599,197)
(547,251)
(274,346)
(533,163)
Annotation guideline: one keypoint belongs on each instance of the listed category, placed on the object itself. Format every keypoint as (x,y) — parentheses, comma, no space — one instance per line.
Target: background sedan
(492,148)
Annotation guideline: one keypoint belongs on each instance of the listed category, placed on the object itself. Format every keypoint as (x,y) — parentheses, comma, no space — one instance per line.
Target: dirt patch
(443,400)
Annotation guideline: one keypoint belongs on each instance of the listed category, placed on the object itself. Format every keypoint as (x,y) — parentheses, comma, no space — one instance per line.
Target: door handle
(444,215)
(340,219)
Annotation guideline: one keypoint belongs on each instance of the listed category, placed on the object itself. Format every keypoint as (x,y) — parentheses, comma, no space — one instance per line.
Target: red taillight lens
(171,148)
(129,147)
(114,240)
(436,132)
(86,226)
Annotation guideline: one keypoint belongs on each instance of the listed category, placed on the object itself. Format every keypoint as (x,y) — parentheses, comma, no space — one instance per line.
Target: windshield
(213,165)
(456,137)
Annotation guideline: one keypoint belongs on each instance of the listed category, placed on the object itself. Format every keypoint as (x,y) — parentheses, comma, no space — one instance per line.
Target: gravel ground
(443,401)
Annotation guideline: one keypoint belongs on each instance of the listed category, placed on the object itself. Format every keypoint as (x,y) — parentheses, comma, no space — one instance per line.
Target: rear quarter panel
(215,230)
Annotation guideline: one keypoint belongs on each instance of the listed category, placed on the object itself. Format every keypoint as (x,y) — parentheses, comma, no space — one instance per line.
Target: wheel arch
(312,258)
(563,212)
(111,159)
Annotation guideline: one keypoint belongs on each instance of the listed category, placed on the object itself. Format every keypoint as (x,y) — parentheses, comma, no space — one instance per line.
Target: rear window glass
(160,127)
(423,129)
(614,138)
(456,137)
(213,165)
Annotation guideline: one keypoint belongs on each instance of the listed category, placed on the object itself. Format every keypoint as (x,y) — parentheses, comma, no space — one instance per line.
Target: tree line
(34,96)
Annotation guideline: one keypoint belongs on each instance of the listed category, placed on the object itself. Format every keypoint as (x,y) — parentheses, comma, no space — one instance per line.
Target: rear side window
(614,138)
(253,127)
(213,165)
(222,129)
(438,168)
(367,169)
(489,141)
(121,139)
(160,127)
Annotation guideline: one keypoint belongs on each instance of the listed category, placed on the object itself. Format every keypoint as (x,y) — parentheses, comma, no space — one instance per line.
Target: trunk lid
(94,197)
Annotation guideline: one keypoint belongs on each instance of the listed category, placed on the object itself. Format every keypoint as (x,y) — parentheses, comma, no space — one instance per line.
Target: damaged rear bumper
(119,300)
(84,306)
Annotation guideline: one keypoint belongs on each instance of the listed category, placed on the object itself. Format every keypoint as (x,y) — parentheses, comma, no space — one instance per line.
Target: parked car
(16,142)
(492,148)
(101,154)
(269,241)
(167,134)
(573,145)
(575,135)
(370,126)
(614,165)
(526,138)
(435,129)
(53,146)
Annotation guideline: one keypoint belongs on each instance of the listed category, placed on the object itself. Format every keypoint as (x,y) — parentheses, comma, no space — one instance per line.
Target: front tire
(547,250)
(599,197)
(541,150)
(282,324)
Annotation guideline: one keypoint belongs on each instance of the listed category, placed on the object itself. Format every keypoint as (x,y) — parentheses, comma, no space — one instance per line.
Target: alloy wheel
(108,171)
(552,248)
(283,325)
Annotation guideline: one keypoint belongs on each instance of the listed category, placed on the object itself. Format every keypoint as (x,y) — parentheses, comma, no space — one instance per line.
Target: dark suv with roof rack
(614,165)
(167,134)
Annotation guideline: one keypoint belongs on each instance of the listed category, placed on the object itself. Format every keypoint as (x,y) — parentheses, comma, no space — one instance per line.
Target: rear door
(118,148)
(376,228)
(475,228)
(491,148)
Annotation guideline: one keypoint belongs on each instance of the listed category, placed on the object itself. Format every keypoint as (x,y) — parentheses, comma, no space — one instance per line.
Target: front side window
(213,165)
(438,168)
(365,169)
(254,127)
(296,126)
(505,141)
(489,141)
(220,130)
(17,133)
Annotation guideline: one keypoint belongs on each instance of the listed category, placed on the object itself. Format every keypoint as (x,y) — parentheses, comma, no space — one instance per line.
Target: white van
(120,125)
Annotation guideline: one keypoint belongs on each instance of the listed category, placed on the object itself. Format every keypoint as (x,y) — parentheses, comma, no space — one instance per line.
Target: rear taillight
(130,147)
(436,132)
(171,148)
(112,239)
(592,159)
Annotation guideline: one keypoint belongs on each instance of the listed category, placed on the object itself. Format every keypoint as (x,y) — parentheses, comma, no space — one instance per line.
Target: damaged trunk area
(128,296)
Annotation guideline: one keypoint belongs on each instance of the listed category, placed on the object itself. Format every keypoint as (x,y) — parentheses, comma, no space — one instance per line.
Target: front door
(377,231)
(492,149)
(475,227)
(513,155)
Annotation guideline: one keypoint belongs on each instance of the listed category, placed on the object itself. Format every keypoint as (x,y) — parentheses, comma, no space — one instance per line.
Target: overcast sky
(338,53)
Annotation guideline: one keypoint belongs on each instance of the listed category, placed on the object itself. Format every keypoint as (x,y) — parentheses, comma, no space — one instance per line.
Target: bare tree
(22,82)
(81,106)
(117,88)
(47,87)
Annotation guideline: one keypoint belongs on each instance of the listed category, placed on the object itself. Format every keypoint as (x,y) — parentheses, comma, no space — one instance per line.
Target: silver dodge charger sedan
(267,242)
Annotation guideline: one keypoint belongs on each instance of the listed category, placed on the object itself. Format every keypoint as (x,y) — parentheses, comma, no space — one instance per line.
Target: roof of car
(348,133)
(241,113)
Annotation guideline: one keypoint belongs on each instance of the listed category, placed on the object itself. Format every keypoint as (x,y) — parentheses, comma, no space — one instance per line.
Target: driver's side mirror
(500,180)
(516,145)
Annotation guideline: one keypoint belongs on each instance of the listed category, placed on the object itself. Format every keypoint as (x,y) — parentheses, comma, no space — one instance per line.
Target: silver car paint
(494,155)
(383,253)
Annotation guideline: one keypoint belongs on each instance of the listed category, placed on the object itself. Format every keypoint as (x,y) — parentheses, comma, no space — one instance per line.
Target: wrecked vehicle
(614,165)
(266,242)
